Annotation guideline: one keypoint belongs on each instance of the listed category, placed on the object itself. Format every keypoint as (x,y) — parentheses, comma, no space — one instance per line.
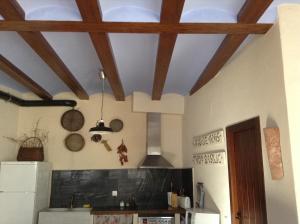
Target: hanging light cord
(100,128)
(102,98)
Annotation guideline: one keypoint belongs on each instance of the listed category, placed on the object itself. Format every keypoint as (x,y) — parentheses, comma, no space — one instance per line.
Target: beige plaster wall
(170,103)
(250,85)
(290,36)
(9,124)
(94,155)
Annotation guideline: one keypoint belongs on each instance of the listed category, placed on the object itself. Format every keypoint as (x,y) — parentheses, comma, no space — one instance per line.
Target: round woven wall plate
(74,142)
(116,125)
(72,120)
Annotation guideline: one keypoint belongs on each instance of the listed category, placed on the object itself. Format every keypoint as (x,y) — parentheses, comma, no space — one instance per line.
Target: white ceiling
(135,54)
(16,50)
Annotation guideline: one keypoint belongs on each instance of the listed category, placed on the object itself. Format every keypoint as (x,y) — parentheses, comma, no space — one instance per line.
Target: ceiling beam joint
(90,12)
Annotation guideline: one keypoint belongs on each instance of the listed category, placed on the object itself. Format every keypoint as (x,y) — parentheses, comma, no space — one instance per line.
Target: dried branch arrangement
(38,137)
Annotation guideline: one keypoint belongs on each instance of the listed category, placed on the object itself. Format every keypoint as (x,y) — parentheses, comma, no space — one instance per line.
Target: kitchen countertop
(140,211)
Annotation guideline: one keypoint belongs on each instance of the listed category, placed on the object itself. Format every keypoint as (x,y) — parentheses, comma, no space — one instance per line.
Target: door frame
(230,130)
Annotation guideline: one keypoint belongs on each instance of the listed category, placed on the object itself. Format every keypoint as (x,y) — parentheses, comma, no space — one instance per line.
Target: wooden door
(247,191)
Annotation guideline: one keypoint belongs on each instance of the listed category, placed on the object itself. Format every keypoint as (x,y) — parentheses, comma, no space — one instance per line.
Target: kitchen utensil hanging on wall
(116,125)
(72,120)
(74,142)
(96,138)
(106,145)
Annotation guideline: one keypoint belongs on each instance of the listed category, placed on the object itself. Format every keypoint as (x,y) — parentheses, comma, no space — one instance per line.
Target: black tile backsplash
(149,187)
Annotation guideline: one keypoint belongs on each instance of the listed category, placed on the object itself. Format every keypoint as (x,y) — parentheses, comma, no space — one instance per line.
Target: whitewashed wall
(289,21)
(250,85)
(9,124)
(94,155)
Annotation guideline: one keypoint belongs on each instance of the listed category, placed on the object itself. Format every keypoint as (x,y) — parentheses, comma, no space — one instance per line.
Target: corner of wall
(9,122)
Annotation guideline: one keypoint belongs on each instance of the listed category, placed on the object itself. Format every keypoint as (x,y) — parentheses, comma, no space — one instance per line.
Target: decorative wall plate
(74,142)
(116,125)
(72,120)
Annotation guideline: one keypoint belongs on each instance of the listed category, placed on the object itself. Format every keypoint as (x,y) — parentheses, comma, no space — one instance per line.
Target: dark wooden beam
(12,11)
(227,48)
(41,46)
(251,11)
(171,11)
(105,53)
(135,27)
(170,14)
(163,58)
(90,12)
(8,68)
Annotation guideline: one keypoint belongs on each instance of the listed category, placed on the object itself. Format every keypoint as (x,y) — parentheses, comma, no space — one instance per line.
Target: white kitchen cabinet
(65,216)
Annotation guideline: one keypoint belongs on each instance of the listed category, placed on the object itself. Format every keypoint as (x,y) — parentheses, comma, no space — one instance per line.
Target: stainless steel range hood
(154,158)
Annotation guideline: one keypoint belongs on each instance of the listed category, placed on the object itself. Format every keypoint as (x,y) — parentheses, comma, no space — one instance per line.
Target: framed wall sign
(212,138)
(215,158)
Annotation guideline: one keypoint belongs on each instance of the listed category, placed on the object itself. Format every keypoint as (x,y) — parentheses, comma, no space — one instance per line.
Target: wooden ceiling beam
(227,48)
(251,11)
(12,11)
(15,73)
(90,12)
(41,46)
(170,14)
(171,11)
(135,27)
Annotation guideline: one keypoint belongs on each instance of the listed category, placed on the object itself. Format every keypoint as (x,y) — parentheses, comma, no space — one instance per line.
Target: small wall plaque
(272,139)
(209,158)
(212,138)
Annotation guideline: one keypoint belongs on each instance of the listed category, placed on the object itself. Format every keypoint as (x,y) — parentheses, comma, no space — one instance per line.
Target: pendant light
(100,128)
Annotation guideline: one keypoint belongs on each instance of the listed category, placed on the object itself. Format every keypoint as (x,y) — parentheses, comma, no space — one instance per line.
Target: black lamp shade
(100,129)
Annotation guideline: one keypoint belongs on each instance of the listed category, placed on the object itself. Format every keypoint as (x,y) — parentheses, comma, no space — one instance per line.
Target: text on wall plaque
(209,158)
(212,138)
